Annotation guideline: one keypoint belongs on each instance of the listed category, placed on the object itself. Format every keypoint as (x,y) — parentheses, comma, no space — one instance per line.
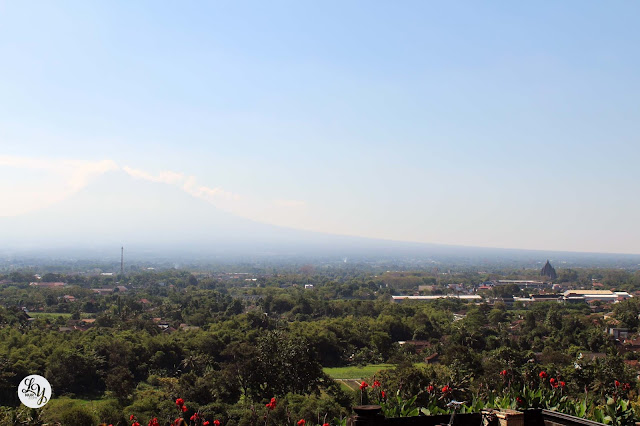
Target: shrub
(68,412)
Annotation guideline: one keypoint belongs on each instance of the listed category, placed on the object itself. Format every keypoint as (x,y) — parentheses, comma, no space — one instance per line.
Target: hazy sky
(498,124)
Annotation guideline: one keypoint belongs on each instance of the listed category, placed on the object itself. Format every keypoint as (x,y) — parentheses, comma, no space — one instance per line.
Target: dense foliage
(228,343)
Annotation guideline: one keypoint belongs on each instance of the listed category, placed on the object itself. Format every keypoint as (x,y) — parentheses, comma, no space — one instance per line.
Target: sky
(492,124)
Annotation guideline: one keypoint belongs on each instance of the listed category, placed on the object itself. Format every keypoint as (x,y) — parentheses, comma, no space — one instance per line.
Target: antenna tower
(122,260)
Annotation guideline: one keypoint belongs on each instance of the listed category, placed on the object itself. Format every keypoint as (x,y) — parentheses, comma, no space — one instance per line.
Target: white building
(607,296)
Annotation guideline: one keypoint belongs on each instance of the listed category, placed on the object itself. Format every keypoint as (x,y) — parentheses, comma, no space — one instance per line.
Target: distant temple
(548,271)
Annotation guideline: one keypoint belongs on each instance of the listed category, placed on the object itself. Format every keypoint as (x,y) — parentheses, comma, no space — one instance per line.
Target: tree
(119,380)
(627,312)
(72,371)
(8,382)
(285,364)
(242,365)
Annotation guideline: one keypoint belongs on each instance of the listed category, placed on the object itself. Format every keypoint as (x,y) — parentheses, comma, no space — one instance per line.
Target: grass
(99,401)
(54,315)
(60,408)
(351,377)
(356,372)
(49,315)
(349,384)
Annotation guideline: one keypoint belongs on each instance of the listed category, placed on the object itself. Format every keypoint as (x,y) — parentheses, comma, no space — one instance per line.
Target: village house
(47,284)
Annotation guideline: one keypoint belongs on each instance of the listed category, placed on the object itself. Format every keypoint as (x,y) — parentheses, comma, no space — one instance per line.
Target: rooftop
(438,296)
(596,292)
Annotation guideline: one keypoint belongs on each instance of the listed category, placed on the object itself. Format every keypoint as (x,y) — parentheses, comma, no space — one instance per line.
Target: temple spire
(548,271)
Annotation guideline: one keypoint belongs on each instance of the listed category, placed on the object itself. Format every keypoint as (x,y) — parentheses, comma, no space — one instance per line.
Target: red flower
(177,421)
(519,400)
(543,375)
(376,384)
(503,373)
(430,388)
(271,405)
(446,389)
(216,422)
(363,385)
(326,424)
(184,408)
(616,383)
(383,394)
(179,402)
(301,422)
(562,384)
(552,382)
(131,417)
(206,423)
(135,424)
(626,387)
(153,422)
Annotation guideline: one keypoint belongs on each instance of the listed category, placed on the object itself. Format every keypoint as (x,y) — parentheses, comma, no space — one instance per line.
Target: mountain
(155,219)
(118,209)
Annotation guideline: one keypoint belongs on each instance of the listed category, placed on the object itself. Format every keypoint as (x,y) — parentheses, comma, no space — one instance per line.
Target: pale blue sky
(498,124)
